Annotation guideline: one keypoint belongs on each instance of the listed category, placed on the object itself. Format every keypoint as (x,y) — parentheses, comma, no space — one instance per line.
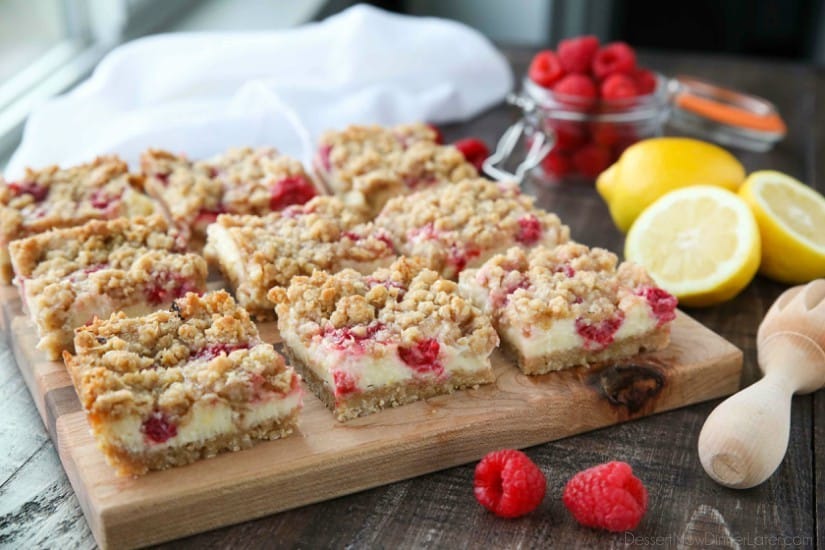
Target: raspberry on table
(616,57)
(576,54)
(607,496)
(545,69)
(508,483)
(474,150)
(591,160)
(619,86)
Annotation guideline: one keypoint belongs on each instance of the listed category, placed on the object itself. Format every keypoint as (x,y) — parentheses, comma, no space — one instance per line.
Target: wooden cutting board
(326,459)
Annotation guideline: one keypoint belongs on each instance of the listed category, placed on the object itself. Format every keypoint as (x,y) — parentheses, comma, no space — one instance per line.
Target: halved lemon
(791,219)
(700,243)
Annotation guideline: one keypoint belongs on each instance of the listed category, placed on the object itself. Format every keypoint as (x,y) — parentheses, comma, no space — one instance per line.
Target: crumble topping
(240,181)
(460,224)
(93,246)
(63,197)
(405,303)
(321,234)
(202,348)
(567,281)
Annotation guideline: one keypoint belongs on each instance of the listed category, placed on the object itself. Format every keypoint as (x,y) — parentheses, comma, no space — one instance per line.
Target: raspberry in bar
(366,342)
(239,181)
(560,307)
(176,386)
(258,253)
(464,224)
(368,165)
(65,197)
(67,277)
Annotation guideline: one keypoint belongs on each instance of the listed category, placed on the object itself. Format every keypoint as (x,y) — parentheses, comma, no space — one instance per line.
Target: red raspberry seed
(545,69)
(289,191)
(474,150)
(607,496)
(508,483)
(576,54)
(158,428)
(619,86)
(616,57)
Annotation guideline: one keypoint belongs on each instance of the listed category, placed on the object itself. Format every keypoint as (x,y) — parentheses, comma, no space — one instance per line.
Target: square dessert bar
(54,197)
(176,386)
(463,224)
(366,342)
(239,181)
(67,277)
(258,253)
(570,305)
(368,165)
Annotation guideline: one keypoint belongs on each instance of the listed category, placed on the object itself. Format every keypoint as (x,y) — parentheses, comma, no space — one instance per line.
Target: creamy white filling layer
(206,420)
(228,254)
(369,372)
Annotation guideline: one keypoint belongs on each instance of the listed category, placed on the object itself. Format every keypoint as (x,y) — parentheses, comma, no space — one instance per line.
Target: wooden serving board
(326,459)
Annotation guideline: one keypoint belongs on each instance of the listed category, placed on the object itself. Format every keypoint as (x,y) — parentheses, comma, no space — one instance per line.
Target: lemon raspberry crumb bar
(367,342)
(176,386)
(570,305)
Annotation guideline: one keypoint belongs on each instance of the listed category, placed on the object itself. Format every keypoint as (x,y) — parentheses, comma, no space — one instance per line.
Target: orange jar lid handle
(730,114)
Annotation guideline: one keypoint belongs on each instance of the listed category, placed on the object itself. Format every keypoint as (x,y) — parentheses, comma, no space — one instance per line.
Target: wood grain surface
(327,459)
(687,509)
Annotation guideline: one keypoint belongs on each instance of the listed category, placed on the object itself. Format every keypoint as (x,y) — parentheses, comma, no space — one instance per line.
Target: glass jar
(572,138)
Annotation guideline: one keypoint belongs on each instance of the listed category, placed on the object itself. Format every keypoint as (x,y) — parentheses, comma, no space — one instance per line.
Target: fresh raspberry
(616,57)
(570,135)
(599,335)
(605,133)
(607,496)
(661,302)
(508,483)
(291,190)
(556,163)
(439,137)
(474,150)
(591,160)
(545,69)
(645,81)
(576,54)
(618,86)
(158,428)
(529,230)
(577,86)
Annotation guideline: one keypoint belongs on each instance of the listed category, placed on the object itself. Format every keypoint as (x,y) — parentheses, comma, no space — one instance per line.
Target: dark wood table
(39,509)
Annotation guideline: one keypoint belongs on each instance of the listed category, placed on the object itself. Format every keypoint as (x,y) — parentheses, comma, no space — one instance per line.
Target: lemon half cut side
(791,219)
(700,243)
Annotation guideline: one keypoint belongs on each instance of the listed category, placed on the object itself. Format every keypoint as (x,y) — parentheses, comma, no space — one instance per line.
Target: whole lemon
(652,167)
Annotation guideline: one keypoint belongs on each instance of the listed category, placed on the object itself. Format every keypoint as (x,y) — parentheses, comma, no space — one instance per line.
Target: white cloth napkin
(200,93)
